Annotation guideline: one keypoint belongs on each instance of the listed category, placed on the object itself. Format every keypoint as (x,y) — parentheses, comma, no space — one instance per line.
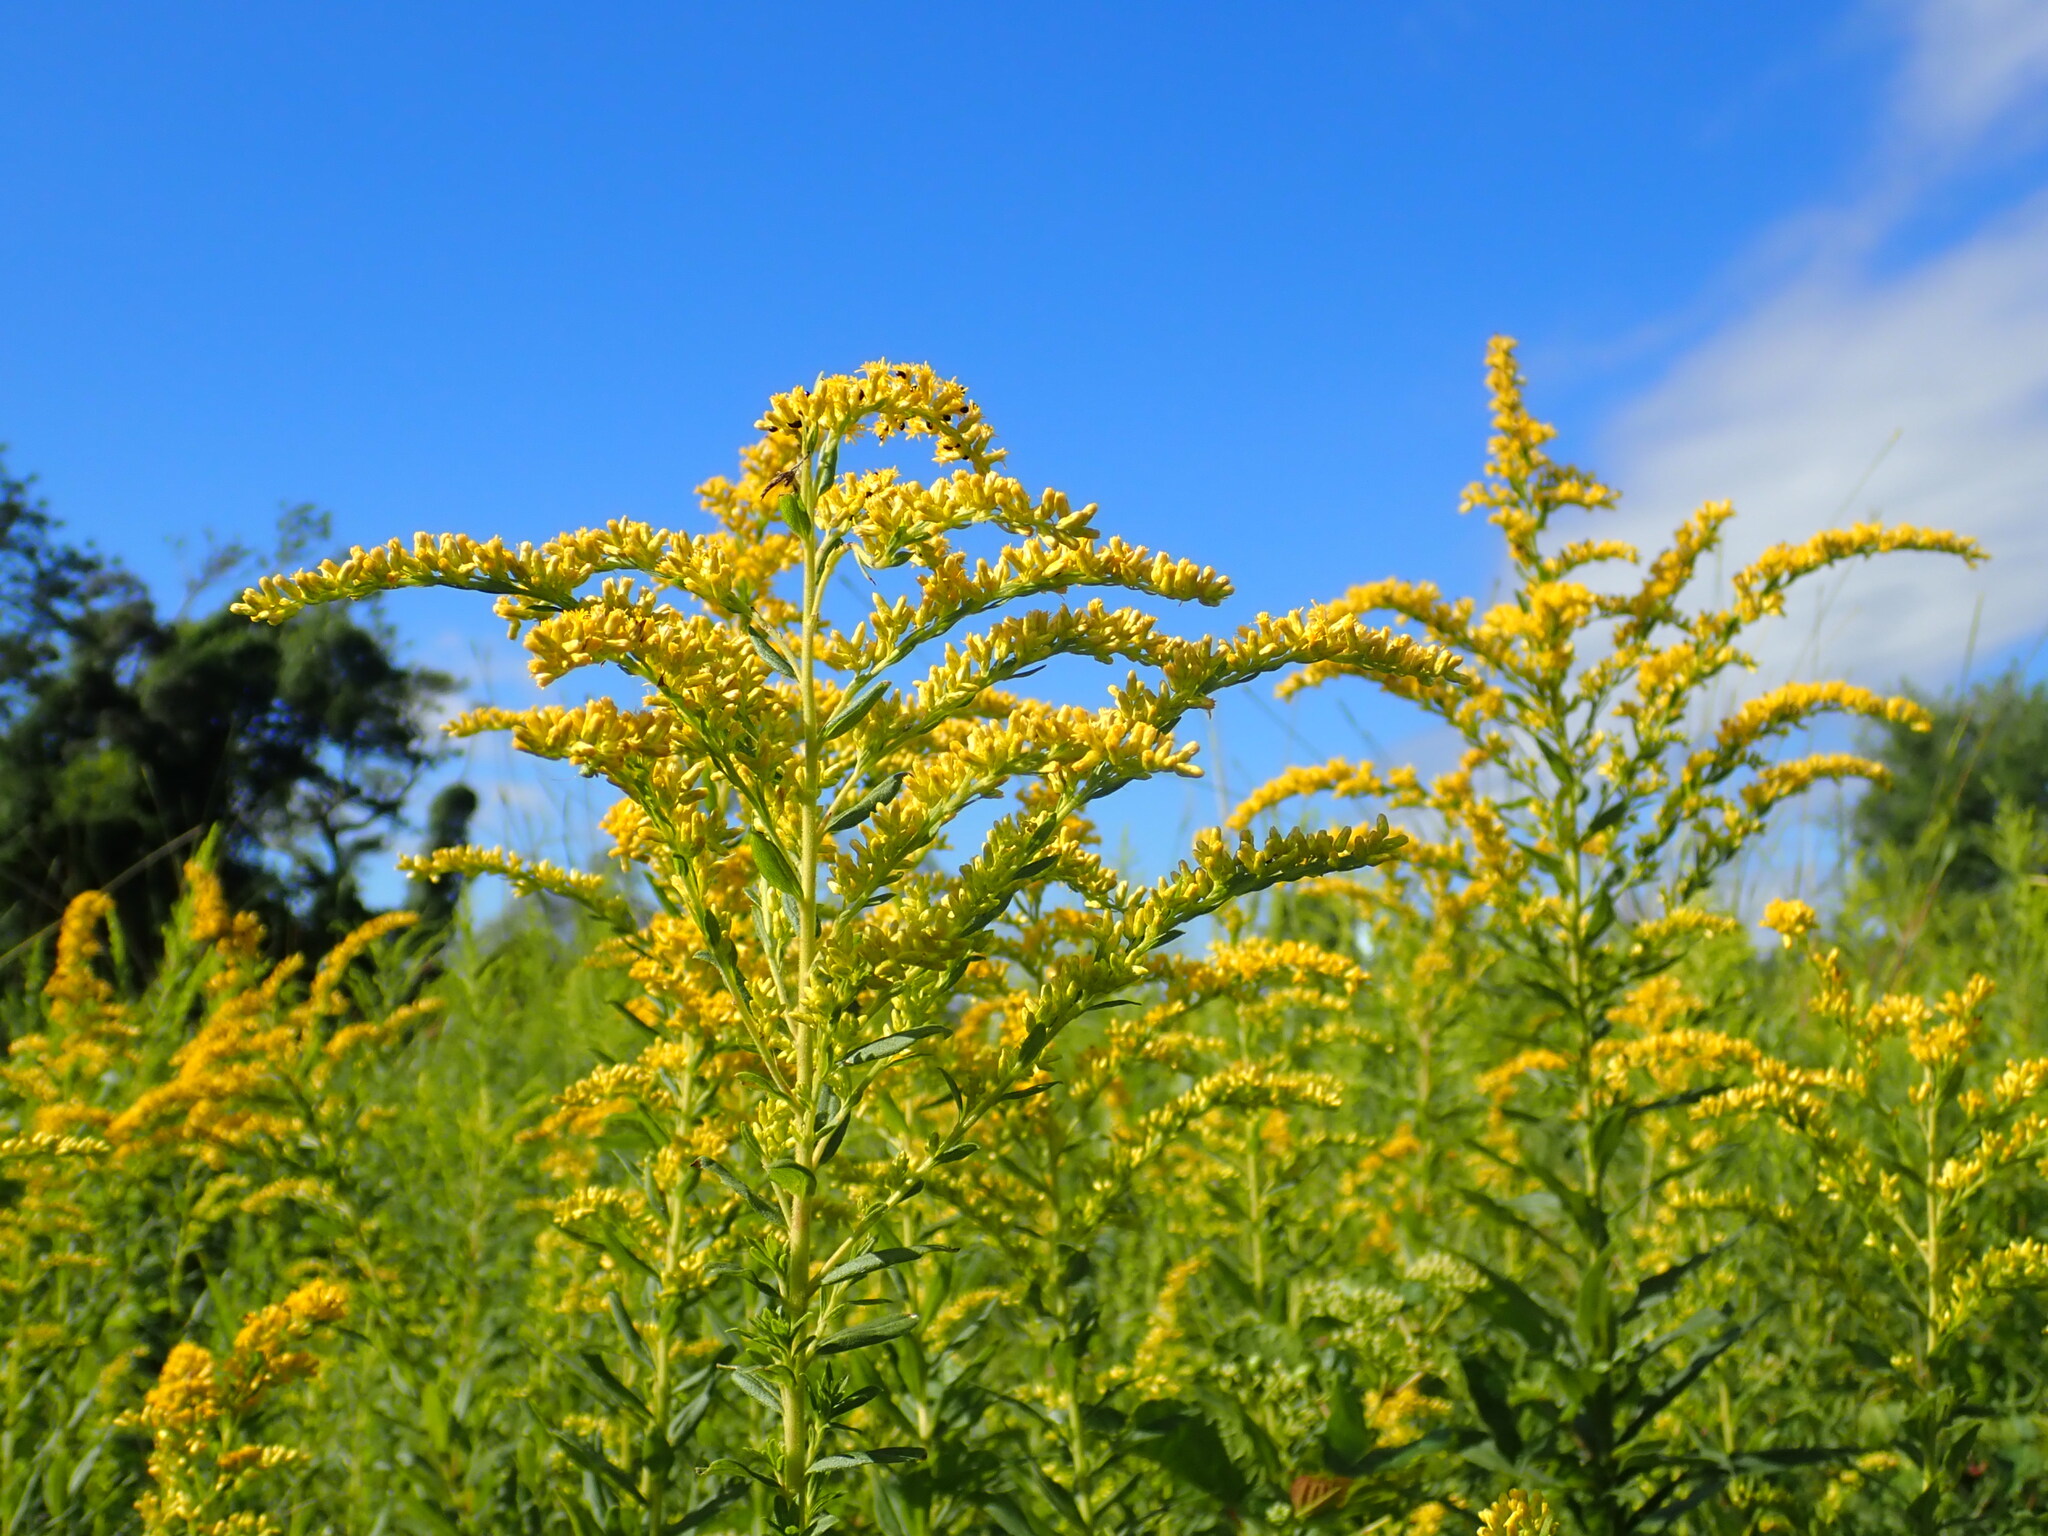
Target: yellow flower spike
(1794,704)
(1760,586)
(1523,487)
(1339,777)
(1781,781)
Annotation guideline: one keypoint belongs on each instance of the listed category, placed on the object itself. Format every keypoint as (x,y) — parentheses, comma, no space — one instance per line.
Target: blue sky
(1226,269)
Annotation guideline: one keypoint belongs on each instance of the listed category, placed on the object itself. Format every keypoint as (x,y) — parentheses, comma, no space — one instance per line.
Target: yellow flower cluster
(1517,1513)
(1790,920)
(199,1469)
(547,575)
(884,398)
(1760,586)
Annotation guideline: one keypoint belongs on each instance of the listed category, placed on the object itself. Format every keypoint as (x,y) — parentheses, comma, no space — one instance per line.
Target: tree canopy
(126,734)
(1988,749)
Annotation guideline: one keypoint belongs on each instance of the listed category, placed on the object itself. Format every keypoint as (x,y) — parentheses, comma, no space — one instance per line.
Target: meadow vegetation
(857,1148)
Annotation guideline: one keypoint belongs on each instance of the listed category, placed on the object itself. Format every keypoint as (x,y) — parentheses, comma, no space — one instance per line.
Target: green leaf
(628,1334)
(853,710)
(880,1456)
(1057,1496)
(598,1375)
(1489,1396)
(790,509)
(592,1460)
(1345,1436)
(866,806)
(756,1388)
(1595,1310)
(768,650)
(879,1258)
(1025,1093)
(794,1177)
(738,1186)
(1696,1367)
(772,863)
(1584,1214)
(1607,1133)
(860,1337)
(1010,1515)
(891,1044)
(859,1397)
(733,1466)
(1514,1308)
(1487,1206)
(1609,816)
(684,1421)
(955,1154)
(732,1489)
(1665,1281)
(1187,1445)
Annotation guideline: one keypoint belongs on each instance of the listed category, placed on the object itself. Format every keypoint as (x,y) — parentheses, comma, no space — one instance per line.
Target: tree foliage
(125,734)
(1988,748)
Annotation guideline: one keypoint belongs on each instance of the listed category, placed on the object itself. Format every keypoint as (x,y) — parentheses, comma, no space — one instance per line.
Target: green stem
(796,1429)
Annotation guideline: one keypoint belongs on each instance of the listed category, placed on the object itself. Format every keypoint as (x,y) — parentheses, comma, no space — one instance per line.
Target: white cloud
(1912,395)
(1971,62)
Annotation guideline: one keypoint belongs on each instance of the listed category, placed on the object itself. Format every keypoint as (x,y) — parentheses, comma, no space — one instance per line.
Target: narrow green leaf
(891,1044)
(608,1385)
(1514,1308)
(768,650)
(879,1258)
(854,710)
(1484,1386)
(733,1488)
(1660,1285)
(883,792)
(732,1465)
(628,1333)
(1696,1367)
(1188,1446)
(861,1336)
(1608,816)
(592,1460)
(756,1388)
(859,1397)
(772,863)
(880,1456)
(738,1186)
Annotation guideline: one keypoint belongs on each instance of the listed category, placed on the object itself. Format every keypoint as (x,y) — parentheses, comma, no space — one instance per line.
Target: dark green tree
(1988,747)
(125,735)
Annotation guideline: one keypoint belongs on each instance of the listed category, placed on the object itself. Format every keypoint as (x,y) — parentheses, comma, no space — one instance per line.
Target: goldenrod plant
(208,1475)
(1920,1163)
(856,1148)
(1581,831)
(147,1139)
(1163,1148)
(793,778)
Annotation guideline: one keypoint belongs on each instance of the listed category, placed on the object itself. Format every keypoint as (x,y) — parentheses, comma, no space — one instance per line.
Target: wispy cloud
(1912,394)
(1971,64)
